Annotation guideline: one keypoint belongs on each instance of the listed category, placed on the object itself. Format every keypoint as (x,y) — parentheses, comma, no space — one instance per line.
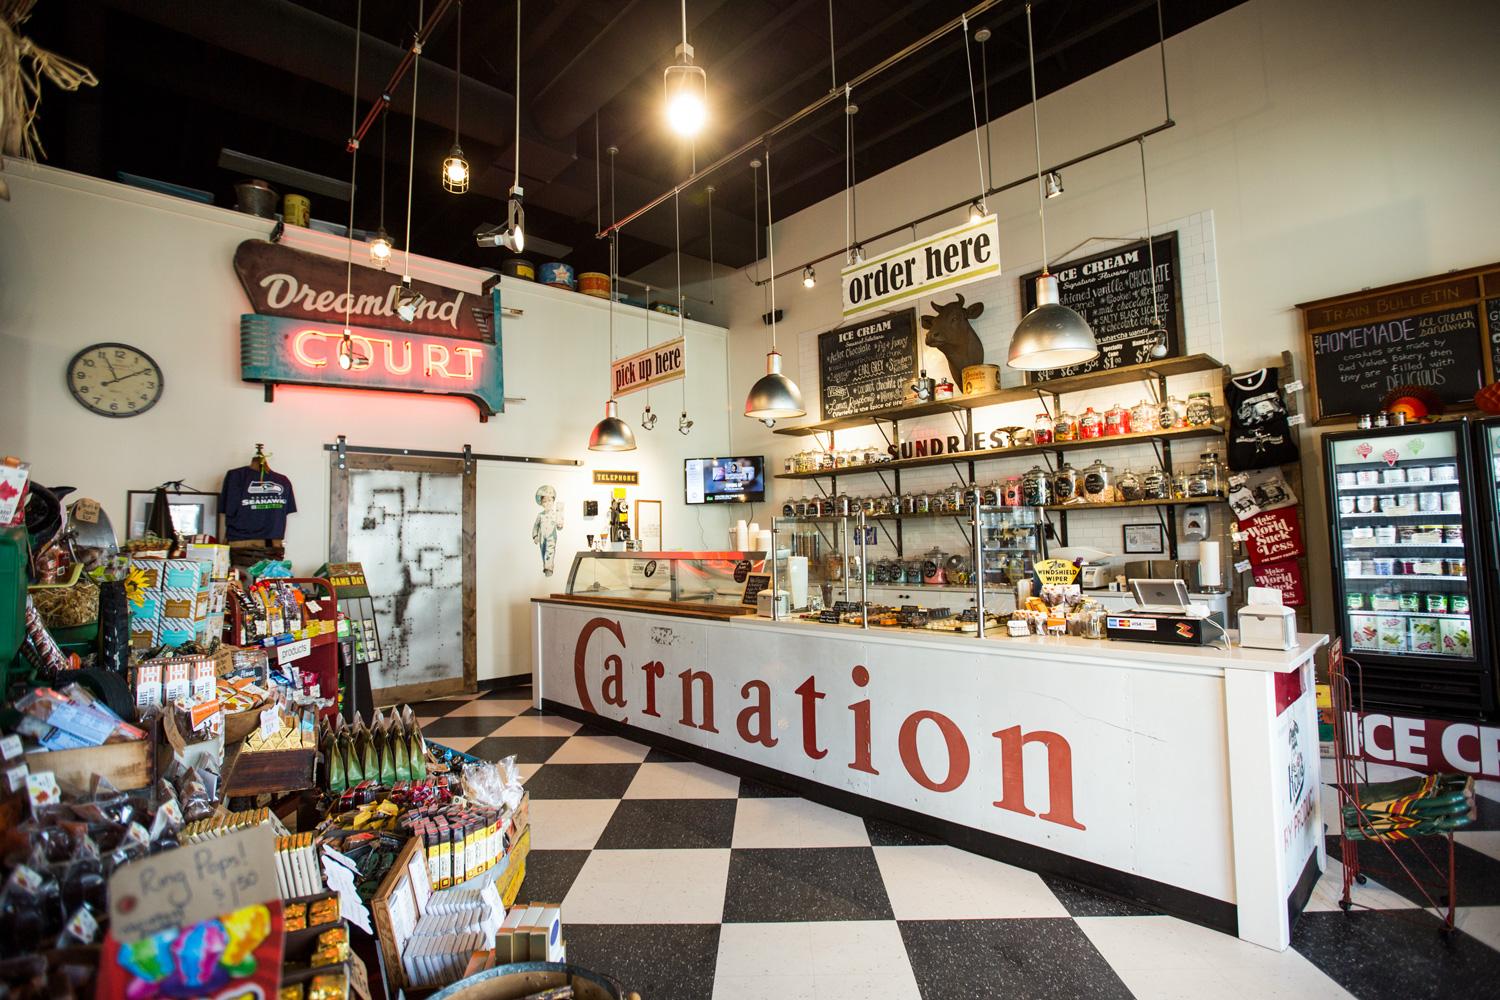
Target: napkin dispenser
(764,606)
(1266,623)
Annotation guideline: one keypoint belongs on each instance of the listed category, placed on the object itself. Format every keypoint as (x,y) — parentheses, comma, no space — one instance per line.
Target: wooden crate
(272,772)
(127,766)
(396,881)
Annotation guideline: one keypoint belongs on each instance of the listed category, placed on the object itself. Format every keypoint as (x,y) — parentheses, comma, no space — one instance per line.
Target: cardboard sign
(1273,536)
(653,366)
(192,884)
(1056,572)
(348,579)
(1285,576)
(941,262)
(608,477)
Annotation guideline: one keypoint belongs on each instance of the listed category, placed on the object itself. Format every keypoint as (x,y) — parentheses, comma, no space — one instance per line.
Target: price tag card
(293,651)
(193,883)
(270,722)
(1295,385)
(10,747)
(1295,419)
(1242,565)
(86,511)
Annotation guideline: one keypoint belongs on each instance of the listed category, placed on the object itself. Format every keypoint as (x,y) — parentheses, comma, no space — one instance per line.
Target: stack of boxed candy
(173,605)
(71,719)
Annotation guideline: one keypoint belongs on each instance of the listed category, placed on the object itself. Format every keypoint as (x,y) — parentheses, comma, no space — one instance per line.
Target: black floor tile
(658,756)
(884,834)
(1081,901)
(1038,957)
(581,781)
(1399,953)
(652,824)
(527,749)
(437,707)
(658,961)
(465,725)
(755,790)
(814,883)
(549,875)
(1478,874)
(1487,814)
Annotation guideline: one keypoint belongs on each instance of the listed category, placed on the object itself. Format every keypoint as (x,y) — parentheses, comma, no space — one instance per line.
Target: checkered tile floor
(686,883)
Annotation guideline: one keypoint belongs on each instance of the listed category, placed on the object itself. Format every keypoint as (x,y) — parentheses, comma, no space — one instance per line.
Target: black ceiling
(273,78)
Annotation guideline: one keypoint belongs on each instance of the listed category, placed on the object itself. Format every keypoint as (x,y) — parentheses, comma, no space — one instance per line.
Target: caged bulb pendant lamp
(612,433)
(455,167)
(774,395)
(408,299)
(686,88)
(1051,335)
(380,246)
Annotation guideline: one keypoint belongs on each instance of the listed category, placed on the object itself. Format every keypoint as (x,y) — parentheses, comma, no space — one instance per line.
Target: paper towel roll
(1210,569)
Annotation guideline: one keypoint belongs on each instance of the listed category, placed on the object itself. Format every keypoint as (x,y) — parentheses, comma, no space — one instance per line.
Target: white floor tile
(1483,841)
(538,725)
(943,883)
(599,750)
(865,959)
(569,824)
(795,823)
(681,780)
(490,706)
(649,887)
(1372,895)
(1481,922)
(460,743)
(1163,958)
(527,770)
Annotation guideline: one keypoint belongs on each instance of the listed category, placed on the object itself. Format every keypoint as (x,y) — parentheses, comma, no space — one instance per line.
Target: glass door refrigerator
(1407,516)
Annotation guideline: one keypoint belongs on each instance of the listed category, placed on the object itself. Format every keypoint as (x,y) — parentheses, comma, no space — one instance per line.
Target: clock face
(115,380)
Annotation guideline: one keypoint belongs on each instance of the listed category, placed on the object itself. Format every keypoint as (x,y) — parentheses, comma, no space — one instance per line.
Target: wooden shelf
(988,454)
(1165,368)
(1177,502)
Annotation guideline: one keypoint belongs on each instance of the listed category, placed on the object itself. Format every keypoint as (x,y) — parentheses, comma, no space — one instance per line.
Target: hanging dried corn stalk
(22,67)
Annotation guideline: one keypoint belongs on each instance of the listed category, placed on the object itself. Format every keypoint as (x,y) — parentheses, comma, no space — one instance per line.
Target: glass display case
(1012,540)
(704,579)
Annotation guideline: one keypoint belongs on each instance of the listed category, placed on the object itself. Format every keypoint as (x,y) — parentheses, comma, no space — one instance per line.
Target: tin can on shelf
(1435,603)
(1419,474)
(594,283)
(296,210)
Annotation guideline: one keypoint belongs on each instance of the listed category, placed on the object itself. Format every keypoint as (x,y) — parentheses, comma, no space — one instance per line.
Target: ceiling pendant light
(1054,184)
(1051,335)
(809,277)
(686,89)
(380,246)
(455,167)
(408,299)
(346,346)
(513,237)
(773,396)
(612,433)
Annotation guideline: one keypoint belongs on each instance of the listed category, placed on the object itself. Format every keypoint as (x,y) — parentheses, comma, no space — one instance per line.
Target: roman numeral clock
(115,380)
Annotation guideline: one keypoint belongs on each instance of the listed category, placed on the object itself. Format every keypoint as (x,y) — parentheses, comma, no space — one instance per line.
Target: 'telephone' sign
(944,261)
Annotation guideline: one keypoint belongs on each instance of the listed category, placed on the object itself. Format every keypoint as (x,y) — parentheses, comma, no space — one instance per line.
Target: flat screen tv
(725,480)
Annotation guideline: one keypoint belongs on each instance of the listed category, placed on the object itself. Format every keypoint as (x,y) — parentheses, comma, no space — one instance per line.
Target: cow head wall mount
(950,333)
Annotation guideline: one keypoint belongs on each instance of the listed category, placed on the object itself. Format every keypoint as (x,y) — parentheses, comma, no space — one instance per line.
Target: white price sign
(293,651)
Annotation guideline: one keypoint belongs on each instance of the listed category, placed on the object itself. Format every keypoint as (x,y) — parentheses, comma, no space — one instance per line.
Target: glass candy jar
(1036,487)
(1041,432)
(1090,425)
(1172,414)
(1144,418)
(1065,484)
(1200,409)
(1116,421)
(1098,483)
(1129,485)
(1065,428)
(1156,485)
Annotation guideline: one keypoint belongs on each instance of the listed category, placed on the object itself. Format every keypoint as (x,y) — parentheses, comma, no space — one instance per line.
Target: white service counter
(1182,777)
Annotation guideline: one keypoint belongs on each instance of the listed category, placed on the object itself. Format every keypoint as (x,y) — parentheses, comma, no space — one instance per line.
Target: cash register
(1163,613)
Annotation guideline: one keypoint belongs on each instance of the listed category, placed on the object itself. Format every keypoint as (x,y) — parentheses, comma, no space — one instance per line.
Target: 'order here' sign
(946,260)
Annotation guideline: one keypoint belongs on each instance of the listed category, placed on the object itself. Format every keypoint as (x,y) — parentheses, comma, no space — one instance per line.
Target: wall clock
(115,380)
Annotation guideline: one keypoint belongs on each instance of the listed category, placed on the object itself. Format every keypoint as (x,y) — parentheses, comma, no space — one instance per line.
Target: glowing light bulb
(380,249)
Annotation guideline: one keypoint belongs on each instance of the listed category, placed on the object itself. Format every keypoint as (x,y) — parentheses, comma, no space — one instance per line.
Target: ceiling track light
(1051,335)
(350,355)
(774,395)
(809,277)
(686,87)
(977,210)
(408,300)
(1053,184)
(455,167)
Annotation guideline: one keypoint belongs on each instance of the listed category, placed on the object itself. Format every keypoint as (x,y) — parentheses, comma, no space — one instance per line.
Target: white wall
(84,260)
(1337,145)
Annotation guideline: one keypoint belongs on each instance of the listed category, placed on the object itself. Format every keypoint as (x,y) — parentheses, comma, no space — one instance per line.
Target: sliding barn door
(410,522)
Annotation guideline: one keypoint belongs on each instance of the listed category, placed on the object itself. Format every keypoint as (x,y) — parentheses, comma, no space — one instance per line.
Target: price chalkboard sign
(868,365)
(754,584)
(1439,333)
(1112,291)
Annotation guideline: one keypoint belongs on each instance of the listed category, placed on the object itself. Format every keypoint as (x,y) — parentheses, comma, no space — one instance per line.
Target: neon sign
(290,351)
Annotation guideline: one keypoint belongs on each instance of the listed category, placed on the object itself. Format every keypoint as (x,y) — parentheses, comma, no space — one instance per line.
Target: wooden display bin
(127,766)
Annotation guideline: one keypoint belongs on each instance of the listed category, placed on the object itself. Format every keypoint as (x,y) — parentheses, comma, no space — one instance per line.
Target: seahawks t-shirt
(255,504)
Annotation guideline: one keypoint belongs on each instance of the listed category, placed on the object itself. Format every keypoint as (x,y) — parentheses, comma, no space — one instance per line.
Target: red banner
(1432,746)
(1273,536)
(1285,576)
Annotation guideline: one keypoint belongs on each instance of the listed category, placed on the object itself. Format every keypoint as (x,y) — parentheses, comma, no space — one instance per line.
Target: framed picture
(1145,539)
(193,513)
(648,524)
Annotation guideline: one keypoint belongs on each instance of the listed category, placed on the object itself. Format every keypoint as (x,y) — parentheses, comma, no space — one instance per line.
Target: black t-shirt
(255,504)
(1259,435)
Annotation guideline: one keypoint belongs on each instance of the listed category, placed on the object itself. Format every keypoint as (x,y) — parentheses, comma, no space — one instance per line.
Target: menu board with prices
(1112,292)
(868,365)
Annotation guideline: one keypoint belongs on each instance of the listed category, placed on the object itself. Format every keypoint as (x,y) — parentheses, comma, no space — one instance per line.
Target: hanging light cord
(1036,132)
(848,166)
(384,115)
(1150,242)
(974,110)
(989,147)
(771,246)
(458,71)
(411,163)
(684,23)
(713,279)
(833,70)
(755,184)
(517,181)
(359,12)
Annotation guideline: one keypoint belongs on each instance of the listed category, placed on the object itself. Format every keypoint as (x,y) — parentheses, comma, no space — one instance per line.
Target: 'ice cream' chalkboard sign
(1436,333)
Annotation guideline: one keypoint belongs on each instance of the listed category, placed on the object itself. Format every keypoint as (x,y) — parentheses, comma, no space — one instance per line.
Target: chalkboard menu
(1112,291)
(867,365)
(1440,333)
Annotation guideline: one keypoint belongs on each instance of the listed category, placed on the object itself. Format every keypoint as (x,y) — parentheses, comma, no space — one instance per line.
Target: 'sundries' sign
(944,261)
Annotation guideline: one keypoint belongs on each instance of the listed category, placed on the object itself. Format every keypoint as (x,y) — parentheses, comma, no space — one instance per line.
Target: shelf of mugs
(1213,430)
(1125,375)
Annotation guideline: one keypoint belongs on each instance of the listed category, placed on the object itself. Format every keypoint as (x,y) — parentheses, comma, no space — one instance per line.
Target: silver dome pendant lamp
(1051,335)
(612,433)
(773,396)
